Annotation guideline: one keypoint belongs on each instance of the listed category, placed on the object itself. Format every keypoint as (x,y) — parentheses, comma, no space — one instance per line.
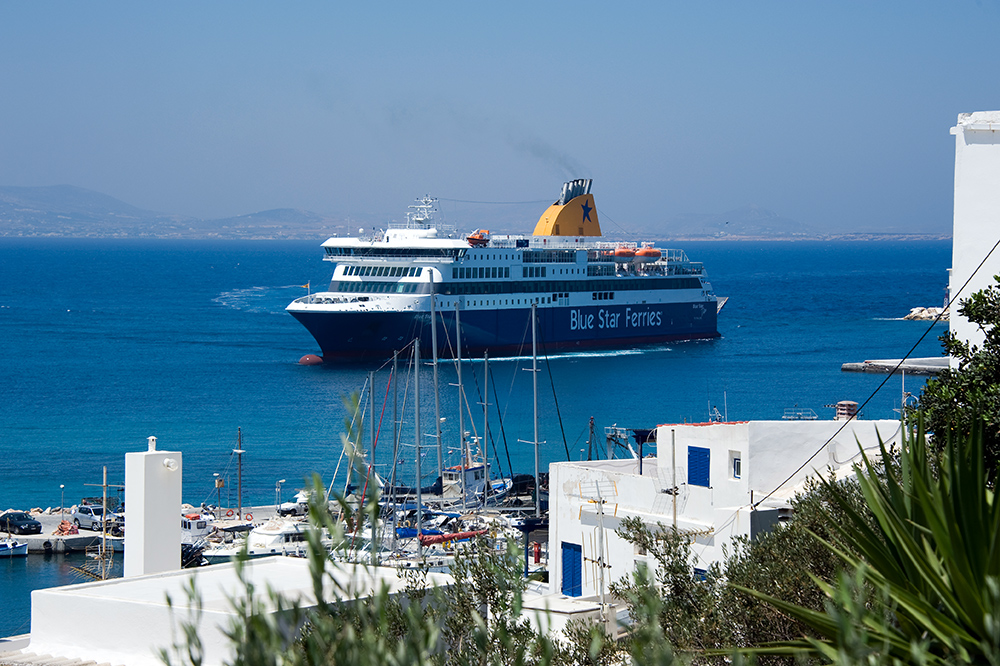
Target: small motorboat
(278,536)
(11,548)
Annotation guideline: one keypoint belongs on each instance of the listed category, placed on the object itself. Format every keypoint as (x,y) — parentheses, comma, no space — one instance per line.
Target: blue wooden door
(572,569)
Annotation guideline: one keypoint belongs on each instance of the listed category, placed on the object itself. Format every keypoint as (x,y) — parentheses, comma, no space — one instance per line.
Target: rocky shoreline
(927,314)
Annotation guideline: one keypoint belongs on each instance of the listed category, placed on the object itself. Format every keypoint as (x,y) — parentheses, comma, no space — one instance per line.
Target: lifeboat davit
(479,238)
(624,254)
(647,254)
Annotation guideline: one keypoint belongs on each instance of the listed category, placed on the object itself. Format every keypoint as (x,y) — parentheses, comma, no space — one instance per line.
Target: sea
(104,343)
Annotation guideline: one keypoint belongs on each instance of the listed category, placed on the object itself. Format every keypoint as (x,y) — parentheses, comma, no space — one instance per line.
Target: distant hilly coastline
(74,212)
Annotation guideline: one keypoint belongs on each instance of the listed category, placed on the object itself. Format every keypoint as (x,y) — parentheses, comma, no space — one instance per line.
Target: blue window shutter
(698,458)
(572,569)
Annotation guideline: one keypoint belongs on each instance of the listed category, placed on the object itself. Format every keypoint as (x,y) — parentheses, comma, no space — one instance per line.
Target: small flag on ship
(306,285)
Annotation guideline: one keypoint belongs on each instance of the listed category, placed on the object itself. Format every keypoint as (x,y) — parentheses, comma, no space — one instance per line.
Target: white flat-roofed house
(708,475)
(128,620)
(976,226)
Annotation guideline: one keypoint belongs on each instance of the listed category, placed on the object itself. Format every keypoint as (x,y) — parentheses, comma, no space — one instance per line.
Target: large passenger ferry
(587,293)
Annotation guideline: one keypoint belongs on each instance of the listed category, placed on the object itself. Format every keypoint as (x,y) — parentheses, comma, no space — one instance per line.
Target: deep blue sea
(106,342)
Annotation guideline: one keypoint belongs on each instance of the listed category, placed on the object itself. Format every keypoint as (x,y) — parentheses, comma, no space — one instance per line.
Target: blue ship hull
(368,335)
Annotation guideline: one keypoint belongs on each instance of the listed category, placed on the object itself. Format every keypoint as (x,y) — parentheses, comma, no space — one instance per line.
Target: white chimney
(152,511)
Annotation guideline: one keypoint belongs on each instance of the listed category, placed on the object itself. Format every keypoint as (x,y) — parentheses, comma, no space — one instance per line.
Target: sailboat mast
(371,455)
(105,564)
(416,390)
(534,382)
(395,419)
(395,444)
(590,439)
(239,465)
(461,395)
(371,411)
(437,394)
(486,425)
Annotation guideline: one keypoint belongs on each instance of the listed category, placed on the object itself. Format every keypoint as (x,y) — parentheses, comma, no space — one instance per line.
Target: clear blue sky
(834,114)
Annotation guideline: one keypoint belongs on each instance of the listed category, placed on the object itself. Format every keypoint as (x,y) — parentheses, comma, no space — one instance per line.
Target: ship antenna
(422,213)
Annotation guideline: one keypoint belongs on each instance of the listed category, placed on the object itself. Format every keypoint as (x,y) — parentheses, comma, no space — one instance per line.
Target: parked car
(293,509)
(298,507)
(19,522)
(91,517)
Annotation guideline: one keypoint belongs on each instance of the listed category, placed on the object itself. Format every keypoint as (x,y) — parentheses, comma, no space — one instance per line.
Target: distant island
(66,211)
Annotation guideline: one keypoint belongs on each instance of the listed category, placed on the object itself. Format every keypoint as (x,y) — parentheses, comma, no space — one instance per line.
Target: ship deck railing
(447,229)
(325,299)
(660,268)
(799,414)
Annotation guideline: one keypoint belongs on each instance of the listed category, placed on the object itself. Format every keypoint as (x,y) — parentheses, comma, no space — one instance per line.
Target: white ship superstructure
(589,293)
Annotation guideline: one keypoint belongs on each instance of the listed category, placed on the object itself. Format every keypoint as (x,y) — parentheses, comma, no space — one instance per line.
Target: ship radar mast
(422,213)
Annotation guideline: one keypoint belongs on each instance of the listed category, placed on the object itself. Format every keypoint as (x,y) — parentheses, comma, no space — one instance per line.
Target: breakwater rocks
(927,314)
(913,366)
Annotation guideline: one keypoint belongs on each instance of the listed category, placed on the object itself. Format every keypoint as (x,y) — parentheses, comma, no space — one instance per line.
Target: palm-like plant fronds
(933,563)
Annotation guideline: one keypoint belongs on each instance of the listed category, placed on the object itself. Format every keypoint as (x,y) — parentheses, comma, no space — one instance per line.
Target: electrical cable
(495,203)
(601,213)
(947,308)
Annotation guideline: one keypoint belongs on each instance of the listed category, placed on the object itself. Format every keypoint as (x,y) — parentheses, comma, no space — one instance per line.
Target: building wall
(977,210)
(713,514)
(778,448)
(573,516)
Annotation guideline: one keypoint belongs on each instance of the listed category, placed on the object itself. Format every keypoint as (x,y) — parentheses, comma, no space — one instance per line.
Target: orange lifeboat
(479,238)
(624,254)
(647,254)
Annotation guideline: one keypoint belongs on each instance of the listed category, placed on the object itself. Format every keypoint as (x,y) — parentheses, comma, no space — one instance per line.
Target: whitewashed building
(977,212)
(707,475)
(129,620)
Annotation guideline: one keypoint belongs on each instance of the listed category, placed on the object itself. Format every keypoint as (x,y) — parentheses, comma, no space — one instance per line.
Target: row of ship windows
(532,256)
(379,287)
(629,284)
(473,256)
(501,272)
(601,289)
(541,300)
(378,251)
(479,273)
(549,256)
(384,271)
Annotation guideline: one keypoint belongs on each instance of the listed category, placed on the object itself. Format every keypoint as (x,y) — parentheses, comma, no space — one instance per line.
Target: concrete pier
(46,542)
(912,366)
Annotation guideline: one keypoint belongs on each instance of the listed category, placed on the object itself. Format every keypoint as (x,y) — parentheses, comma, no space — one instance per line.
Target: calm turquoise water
(107,342)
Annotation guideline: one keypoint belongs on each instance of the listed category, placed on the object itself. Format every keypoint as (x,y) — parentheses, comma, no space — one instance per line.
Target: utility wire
(495,203)
(601,213)
(947,308)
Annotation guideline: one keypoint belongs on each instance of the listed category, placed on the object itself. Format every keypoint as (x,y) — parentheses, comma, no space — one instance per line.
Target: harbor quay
(48,542)
(913,366)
